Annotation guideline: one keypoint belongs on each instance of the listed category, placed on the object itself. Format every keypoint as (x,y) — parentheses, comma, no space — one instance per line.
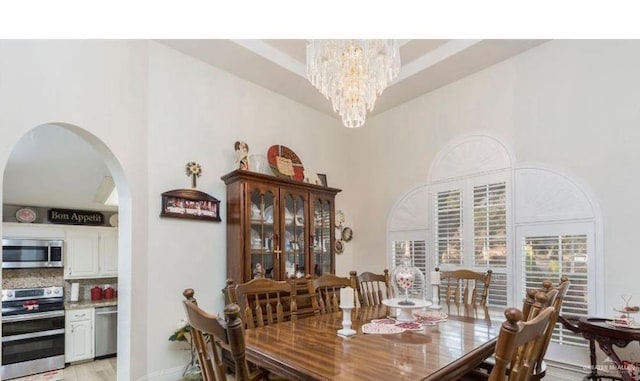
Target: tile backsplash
(27,278)
(86,285)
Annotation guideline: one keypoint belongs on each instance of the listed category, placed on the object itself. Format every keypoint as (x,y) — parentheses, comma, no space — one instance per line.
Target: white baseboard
(172,374)
(558,371)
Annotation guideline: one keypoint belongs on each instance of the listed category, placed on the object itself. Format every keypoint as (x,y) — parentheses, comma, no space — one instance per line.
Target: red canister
(96,293)
(109,293)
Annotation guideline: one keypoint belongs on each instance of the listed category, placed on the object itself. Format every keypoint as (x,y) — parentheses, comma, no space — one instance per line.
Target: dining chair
(465,286)
(207,330)
(265,301)
(325,293)
(371,288)
(519,345)
(558,299)
(530,297)
(554,297)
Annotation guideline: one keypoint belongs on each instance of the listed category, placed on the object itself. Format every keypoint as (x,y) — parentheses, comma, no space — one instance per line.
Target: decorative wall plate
(113,220)
(26,215)
(347,234)
(285,163)
(339,246)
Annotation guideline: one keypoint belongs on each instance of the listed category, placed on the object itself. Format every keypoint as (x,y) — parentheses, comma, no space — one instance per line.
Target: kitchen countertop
(90,304)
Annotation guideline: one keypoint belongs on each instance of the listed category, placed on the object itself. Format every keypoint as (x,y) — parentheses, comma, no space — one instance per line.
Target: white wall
(572,105)
(196,113)
(99,86)
(150,110)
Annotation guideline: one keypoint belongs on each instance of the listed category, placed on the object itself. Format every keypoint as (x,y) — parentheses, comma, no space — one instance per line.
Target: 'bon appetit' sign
(75,217)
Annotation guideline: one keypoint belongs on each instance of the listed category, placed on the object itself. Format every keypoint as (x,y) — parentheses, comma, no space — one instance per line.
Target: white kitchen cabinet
(81,253)
(108,252)
(79,334)
(91,252)
(21,230)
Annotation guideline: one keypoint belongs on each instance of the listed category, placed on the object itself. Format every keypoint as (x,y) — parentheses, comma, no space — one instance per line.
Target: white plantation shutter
(475,209)
(417,250)
(490,226)
(490,237)
(408,229)
(448,227)
(548,257)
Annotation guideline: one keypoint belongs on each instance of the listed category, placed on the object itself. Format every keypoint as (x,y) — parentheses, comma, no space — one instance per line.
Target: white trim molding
(469,155)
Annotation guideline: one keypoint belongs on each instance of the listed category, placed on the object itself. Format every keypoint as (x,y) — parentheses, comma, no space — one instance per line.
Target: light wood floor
(99,370)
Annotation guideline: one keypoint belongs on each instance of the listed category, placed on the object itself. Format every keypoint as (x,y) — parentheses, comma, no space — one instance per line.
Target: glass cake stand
(405,309)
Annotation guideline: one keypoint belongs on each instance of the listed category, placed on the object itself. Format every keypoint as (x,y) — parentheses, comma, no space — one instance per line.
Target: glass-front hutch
(278,228)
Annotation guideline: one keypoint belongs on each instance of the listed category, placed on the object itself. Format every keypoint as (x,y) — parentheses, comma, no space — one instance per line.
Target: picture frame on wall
(190,204)
(323,179)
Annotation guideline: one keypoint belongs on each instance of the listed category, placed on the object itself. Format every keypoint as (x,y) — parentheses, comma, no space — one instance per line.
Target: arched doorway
(68,178)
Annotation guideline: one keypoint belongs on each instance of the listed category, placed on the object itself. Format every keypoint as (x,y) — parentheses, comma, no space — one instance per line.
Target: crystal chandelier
(352,73)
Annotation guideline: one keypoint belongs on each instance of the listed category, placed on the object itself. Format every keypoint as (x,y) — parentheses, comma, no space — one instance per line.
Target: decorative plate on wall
(285,163)
(26,215)
(113,220)
(347,234)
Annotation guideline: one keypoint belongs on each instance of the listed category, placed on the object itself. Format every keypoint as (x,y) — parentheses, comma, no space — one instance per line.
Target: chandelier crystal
(352,73)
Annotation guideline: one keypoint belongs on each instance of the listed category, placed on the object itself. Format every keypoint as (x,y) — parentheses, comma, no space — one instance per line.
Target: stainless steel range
(32,331)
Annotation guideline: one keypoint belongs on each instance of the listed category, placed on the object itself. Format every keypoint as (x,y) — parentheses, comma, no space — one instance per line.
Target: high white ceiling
(51,167)
(280,65)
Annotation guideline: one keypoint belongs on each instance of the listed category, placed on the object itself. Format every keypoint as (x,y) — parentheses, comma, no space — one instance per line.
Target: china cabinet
(278,228)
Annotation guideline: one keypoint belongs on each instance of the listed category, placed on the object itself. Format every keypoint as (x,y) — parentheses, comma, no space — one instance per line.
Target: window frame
(466,185)
(567,353)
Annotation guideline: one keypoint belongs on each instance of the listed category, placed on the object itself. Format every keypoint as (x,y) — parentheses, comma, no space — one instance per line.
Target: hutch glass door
(293,248)
(322,237)
(264,253)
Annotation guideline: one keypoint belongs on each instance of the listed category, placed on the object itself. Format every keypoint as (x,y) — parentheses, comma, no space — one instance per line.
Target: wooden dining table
(310,349)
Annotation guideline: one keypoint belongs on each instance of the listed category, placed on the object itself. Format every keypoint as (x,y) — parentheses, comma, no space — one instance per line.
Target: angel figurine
(242,155)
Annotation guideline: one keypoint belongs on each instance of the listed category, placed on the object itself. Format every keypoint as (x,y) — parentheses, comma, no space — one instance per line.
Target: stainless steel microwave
(18,253)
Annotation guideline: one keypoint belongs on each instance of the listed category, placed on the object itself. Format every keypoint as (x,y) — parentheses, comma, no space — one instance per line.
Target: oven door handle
(34,316)
(33,335)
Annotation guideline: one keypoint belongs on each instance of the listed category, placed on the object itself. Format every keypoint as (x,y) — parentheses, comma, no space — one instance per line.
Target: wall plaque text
(75,217)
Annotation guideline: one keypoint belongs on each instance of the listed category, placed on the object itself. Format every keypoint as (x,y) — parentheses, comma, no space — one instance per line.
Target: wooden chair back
(465,286)
(519,344)
(325,293)
(371,288)
(530,299)
(560,293)
(555,298)
(207,330)
(265,301)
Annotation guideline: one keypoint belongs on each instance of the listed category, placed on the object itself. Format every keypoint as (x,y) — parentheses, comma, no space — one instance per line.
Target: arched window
(470,191)
(408,228)
(527,223)
(557,233)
